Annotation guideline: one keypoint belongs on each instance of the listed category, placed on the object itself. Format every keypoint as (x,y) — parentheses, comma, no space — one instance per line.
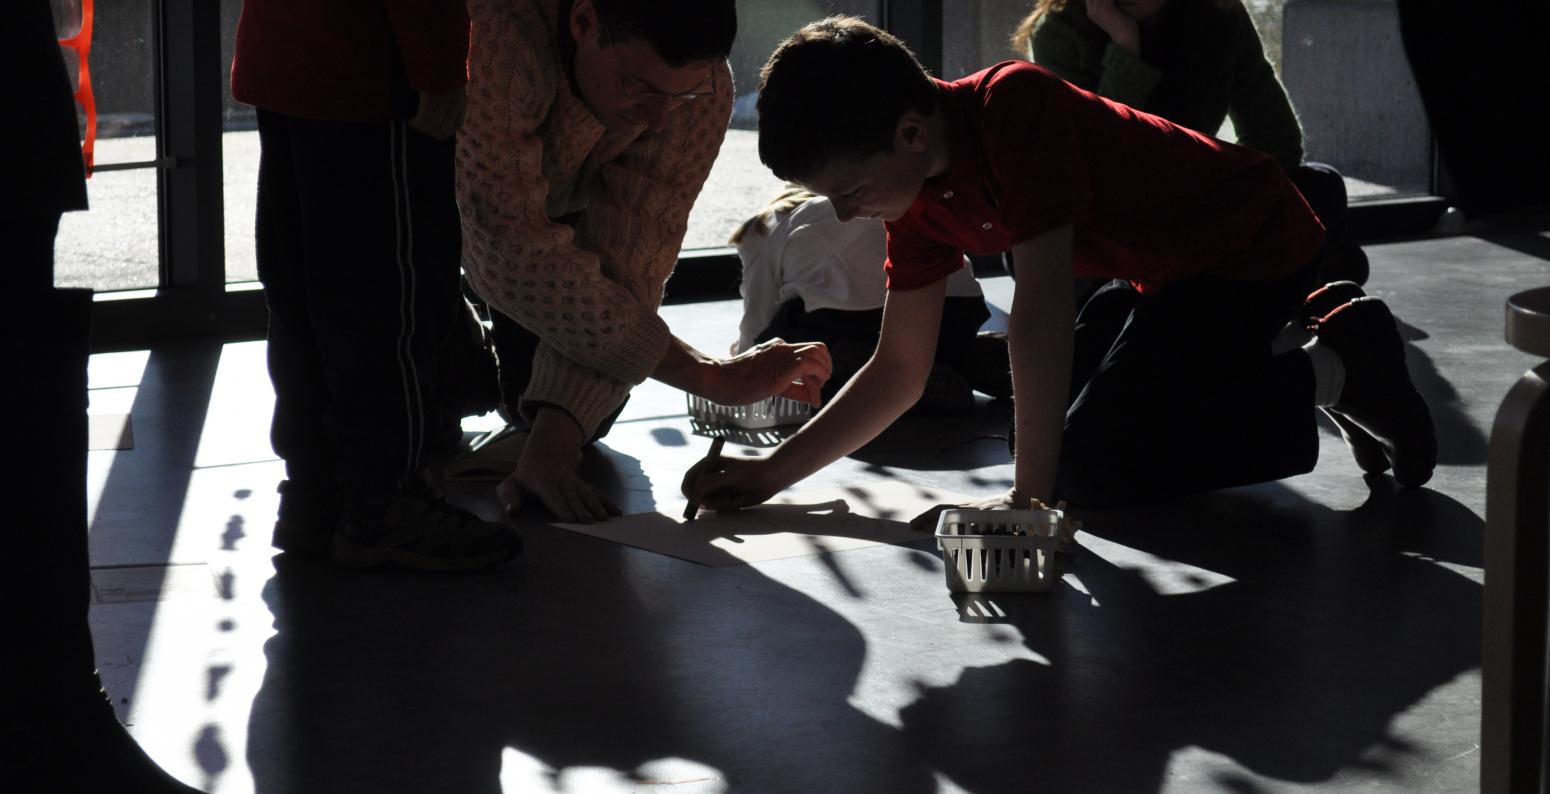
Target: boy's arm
(881,391)
(1039,341)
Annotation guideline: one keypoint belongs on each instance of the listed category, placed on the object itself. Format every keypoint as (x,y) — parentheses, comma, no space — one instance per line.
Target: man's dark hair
(837,87)
(681,32)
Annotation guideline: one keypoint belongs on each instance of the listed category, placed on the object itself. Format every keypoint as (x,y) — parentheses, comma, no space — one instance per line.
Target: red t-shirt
(1149,201)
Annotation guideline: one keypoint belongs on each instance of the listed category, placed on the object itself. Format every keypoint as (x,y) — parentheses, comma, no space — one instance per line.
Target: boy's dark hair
(681,32)
(837,87)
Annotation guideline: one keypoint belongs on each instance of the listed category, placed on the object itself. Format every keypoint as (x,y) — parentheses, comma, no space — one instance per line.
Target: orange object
(81,43)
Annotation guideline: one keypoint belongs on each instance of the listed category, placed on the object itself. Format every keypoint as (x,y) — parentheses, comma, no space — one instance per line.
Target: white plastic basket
(772,412)
(1007,551)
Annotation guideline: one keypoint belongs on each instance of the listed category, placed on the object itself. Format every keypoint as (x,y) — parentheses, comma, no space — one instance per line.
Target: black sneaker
(1326,299)
(422,532)
(1379,398)
(1367,451)
(305,522)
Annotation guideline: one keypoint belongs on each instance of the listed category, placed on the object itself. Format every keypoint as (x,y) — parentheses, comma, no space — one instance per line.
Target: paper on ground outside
(796,523)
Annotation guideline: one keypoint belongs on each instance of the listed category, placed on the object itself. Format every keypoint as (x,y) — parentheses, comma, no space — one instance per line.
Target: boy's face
(882,185)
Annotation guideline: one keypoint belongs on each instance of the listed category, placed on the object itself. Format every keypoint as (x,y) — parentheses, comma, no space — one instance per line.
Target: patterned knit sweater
(531,151)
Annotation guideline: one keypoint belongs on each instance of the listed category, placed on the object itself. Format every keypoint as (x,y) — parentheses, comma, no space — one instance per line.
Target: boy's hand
(771,368)
(441,112)
(1010,500)
(1122,28)
(547,470)
(729,483)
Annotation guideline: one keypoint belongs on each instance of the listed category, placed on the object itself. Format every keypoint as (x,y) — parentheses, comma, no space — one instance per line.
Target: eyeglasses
(638,90)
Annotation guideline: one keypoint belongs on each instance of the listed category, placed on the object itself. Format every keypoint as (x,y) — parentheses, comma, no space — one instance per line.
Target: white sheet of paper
(796,523)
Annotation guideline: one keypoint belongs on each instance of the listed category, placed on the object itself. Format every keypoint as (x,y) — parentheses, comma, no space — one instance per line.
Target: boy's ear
(910,133)
(583,20)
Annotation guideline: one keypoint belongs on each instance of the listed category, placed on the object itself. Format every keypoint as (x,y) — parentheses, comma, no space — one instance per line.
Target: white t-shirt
(808,253)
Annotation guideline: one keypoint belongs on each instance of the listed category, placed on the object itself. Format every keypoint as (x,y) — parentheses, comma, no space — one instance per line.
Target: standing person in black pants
(58,731)
(358,250)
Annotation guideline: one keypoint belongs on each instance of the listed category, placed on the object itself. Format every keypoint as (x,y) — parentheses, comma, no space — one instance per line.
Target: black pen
(713,457)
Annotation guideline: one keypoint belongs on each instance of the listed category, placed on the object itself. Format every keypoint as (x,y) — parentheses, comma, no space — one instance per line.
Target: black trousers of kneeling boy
(1178,391)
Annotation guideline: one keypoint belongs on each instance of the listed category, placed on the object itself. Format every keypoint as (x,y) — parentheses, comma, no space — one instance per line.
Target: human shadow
(1460,440)
(1315,631)
(584,657)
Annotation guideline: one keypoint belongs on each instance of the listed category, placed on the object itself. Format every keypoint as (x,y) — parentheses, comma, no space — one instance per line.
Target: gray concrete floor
(1316,634)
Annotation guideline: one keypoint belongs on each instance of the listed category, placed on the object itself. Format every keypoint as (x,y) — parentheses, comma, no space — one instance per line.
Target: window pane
(739,185)
(239,160)
(977,34)
(114,245)
(1345,69)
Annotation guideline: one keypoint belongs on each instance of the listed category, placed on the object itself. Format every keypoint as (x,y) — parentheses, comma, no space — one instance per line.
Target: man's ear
(583,21)
(910,134)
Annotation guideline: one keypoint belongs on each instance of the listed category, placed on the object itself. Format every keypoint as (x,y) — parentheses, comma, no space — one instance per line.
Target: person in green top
(1195,63)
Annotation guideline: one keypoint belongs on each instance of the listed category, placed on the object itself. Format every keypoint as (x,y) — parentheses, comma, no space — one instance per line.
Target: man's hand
(441,112)
(728,484)
(547,470)
(1122,28)
(770,368)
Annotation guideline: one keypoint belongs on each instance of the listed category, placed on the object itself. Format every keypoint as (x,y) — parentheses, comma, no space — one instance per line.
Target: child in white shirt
(808,276)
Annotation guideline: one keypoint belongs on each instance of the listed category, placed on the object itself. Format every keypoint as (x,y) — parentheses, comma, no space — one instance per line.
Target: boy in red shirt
(1166,382)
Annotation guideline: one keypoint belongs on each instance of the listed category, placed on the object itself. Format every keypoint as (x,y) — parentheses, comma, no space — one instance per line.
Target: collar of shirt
(956,206)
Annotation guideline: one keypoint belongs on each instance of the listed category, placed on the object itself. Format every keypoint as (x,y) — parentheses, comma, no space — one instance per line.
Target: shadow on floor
(1295,669)
(1320,628)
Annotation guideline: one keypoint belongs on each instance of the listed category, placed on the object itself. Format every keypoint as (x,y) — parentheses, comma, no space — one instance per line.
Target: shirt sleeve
(1033,147)
(915,260)
(1097,65)
(1126,78)
(1260,110)
(634,226)
(432,38)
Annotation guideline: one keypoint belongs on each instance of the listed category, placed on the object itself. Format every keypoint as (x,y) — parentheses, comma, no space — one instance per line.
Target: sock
(1328,373)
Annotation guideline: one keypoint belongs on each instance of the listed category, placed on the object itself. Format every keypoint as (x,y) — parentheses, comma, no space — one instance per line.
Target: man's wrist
(555,433)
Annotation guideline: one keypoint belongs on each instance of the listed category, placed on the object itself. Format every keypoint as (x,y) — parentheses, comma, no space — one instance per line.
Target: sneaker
(422,532)
(1326,299)
(1367,451)
(304,524)
(1379,398)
